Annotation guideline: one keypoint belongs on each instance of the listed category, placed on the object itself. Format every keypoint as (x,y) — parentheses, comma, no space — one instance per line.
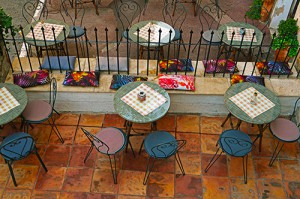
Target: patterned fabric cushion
(120,80)
(63,63)
(81,78)
(235,78)
(223,66)
(176,65)
(270,67)
(30,79)
(177,82)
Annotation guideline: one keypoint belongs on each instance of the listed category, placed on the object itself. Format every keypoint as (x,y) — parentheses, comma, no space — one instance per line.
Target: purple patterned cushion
(29,79)
(81,78)
(223,66)
(120,80)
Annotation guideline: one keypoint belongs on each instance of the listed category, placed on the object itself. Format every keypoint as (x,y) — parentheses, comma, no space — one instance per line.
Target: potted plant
(260,10)
(286,42)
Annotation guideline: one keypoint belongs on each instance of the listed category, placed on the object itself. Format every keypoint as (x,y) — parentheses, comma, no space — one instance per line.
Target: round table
(164,40)
(131,115)
(21,96)
(264,118)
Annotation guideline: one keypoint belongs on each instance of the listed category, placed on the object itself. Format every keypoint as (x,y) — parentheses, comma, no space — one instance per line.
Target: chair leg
(213,160)
(148,170)
(12,173)
(245,163)
(178,160)
(88,153)
(113,166)
(40,159)
(276,152)
(141,147)
(56,112)
(55,129)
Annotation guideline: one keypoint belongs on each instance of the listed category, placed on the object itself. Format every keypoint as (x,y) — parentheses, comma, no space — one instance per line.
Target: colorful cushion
(177,82)
(120,80)
(176,65)
(63,63)
(235,78)
(223,66)
(33,78)
(81,78)
(270,67)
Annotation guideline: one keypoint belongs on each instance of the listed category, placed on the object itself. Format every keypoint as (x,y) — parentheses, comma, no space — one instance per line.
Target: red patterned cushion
(29,79)
(81,78)
(177,82)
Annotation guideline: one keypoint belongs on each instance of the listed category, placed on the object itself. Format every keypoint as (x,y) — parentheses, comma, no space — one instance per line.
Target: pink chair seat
(285,130)
(113,138)
(37,110)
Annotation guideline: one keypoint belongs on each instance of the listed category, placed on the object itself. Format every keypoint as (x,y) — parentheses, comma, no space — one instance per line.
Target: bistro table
(9,108)
(37,38)
(265,111)
(131,115)
(228,28)
(142,36)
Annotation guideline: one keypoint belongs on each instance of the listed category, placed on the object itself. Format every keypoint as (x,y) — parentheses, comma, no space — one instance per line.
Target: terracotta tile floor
(68,177)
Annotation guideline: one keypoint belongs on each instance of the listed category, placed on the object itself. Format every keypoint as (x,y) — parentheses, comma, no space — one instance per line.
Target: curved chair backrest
(53,92)
(174,14)
(127,12)
(32,7)
(16,146)
(94,139)
(296,107)
(210,16)
(167,149)
(237,146)
(68,12)
(252,16)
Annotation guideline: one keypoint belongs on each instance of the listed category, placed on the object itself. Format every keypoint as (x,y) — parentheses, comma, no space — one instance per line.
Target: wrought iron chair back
(236,146)
(52,92)
(33,7)
(68,13)
(253,18)
(167,149)
(174,14)
(210,16)
(293,117)
(94,139)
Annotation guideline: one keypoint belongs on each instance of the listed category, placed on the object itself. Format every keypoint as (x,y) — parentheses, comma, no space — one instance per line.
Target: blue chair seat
(160,138)
(125,35)
(235,143)
(78,30)
(177,35)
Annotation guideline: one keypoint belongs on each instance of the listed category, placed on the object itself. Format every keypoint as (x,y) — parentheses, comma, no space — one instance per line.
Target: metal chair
(234,143)
(175,15)
(79,3)
(39,111)
(161,145)
(16,147)
(285,130)
(108,141)
(34,10)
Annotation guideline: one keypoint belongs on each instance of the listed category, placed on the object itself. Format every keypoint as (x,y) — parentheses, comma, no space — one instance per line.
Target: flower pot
(281,55)
(266,10)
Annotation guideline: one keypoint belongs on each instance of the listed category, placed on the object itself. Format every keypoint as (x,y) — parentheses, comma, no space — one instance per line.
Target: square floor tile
(51,180)
(208,143)
(67,119)
(80,137)
(193,141)
(102,161)
(40,133)
(214,187)
(113,120)
(78,155)
(290,170)
(290,151)
(160,185)
(267,147)
(91,120)
(235,167)
(130,197)
(292,189)
(66,132)
(73,195)
(15,193)
(25,175)
(188,123)
(103,182)
(167,123)
(212,125)
(45,194)
(4,174)
(101,196)
(191,163)
(270,188)
(131,183)
(78,179)
(241,190)
(57,155)
(188,186)
(263,170)
(219,168)
(137,163)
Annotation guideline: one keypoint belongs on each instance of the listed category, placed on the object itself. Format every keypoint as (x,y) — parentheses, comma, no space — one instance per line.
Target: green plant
(287,36)
(255,9)
(5,21)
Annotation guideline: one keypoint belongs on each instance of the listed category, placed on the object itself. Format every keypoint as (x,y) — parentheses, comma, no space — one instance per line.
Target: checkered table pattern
(38,34)
(154,35)
(237,36)
(7,101)
(242,100)
(152,102)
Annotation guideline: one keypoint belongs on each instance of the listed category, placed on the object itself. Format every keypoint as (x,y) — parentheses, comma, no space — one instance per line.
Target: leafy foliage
(6,22)
(255,9)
